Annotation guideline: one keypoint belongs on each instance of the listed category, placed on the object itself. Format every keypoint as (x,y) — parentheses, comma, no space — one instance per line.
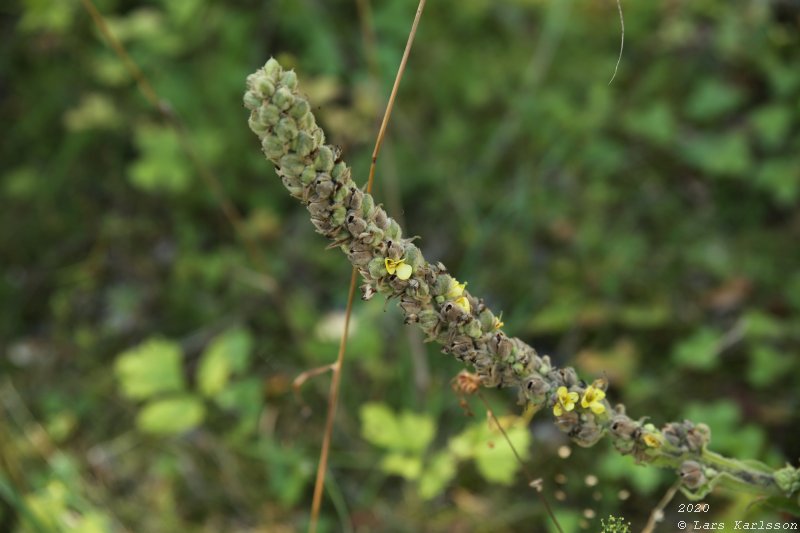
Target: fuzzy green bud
(251,100)
(269,114)
(286,130)
(283,98)
(338,215)
(272,69)
(324,159)
(377,268)
(304,144)
(289,79)
(299,109)
(273,148)
(292,165)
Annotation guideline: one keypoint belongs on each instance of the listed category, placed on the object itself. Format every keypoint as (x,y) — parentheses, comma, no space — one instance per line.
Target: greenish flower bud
(309,174)
(377,268)
(788,479)
(251,100)
(283,98)
(367,206)
(487,320)
(292,165)
(340,195)
(413,256)
(324,159)
(304,144)
(318,134)
(273,148)
(269,114)
(264,87)
(428,320)
(306,122)
(338,215)
(442,285)
(472,328)
(289,79)
(394,231)
(260,128)
(272,69)
(299,109)
(286,130)
(339,170)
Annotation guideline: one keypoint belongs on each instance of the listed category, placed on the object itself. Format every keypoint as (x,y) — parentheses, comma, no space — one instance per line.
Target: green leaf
(439,471)
(767,365)
(712,99)
(171,415)
(161,166)
(700,351)
(150,368)
(379,425)
(228,353)
(493,457)
(405,466)
(723,154)
(407,432)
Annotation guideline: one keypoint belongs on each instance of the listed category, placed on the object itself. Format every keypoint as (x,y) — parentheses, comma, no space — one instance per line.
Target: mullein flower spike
(392,265)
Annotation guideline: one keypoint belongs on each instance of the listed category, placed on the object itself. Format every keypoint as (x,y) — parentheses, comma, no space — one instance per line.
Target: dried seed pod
(394,249)
(691,473)
(355,198)
(381,220)
(355,224)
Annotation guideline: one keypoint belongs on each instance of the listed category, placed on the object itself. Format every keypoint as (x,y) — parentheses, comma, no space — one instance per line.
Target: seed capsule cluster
(314,173)
(430,297)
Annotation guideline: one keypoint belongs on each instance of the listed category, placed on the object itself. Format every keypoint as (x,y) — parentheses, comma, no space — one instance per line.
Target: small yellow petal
(463,303)
(573,397)
(390,264)
(597,407)
(651,440)
(557,410)
(403,271)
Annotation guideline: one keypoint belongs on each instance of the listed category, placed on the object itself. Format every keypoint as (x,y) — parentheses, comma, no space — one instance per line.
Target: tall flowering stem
(440,305)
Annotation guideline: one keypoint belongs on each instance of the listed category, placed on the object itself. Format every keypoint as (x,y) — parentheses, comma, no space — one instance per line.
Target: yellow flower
(592,399)
(455,289)
(398,267)
(565,402)
(498,322)
(651,440)
(463,303)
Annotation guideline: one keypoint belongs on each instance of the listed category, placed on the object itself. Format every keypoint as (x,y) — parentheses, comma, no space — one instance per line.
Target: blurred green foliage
(645,229)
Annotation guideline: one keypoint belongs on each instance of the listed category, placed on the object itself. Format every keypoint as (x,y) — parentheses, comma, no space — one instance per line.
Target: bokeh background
(646,230)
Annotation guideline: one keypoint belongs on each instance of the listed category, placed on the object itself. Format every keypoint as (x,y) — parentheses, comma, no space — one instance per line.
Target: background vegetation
(646,230)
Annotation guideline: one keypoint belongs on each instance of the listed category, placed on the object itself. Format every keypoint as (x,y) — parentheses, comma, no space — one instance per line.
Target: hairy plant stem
(430,297)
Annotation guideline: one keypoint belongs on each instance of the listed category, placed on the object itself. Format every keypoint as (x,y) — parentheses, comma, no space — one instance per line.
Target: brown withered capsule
(355,224)
(697,436)
(394,249)
(692,474)
(381,219)
(355,198)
